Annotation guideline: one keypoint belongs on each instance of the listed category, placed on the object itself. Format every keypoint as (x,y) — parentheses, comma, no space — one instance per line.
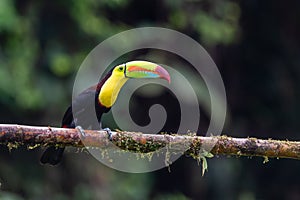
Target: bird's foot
(81,131)
(109,133)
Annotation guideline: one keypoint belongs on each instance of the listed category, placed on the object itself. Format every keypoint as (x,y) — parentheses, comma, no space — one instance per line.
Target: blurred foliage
(217,23)
(255,45)
(48,41)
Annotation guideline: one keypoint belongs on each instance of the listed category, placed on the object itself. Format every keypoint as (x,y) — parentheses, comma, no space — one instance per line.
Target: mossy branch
(32,136)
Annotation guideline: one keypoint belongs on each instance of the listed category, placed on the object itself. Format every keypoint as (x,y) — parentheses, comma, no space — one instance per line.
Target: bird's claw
(80,130)
(109,133)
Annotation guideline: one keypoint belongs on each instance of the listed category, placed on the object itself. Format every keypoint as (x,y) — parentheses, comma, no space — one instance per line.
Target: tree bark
(33,136)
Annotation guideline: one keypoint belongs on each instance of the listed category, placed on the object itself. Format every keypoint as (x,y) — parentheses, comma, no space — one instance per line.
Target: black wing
(87,111)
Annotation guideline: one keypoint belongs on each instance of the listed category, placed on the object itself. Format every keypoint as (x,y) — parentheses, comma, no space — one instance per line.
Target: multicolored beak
(145,69)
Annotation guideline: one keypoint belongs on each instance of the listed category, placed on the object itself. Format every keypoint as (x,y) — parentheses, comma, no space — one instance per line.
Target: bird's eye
(121,68)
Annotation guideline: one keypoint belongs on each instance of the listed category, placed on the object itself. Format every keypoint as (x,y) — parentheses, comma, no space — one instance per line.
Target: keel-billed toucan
(103,95)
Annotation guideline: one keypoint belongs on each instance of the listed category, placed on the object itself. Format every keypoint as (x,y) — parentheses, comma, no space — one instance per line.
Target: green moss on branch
(33,136)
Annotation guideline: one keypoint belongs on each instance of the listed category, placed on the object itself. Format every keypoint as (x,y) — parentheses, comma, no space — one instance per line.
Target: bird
(100,98)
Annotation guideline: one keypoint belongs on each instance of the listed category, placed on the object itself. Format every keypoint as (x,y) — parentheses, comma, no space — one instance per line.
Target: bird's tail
(52,155)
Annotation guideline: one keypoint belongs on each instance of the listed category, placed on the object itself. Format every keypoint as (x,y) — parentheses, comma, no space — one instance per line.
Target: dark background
(255,45)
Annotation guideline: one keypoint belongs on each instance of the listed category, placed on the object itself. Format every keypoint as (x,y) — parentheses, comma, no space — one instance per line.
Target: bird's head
(130,70)
(141,69)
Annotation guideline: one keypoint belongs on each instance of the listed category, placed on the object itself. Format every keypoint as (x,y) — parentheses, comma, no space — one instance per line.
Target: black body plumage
(80,113)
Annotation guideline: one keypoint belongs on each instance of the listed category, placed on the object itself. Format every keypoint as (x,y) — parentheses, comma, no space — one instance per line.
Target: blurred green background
(255,45)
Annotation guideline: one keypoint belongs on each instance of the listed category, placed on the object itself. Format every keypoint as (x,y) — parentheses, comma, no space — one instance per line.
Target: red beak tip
(163,73)
(168,79)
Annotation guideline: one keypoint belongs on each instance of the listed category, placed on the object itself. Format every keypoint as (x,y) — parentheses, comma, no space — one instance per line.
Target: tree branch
(32,136)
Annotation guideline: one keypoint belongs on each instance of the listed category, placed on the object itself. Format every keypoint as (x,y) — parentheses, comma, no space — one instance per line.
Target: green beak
(145,69)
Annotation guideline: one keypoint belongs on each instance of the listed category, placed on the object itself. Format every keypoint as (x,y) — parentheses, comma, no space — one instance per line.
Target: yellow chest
(110,90)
